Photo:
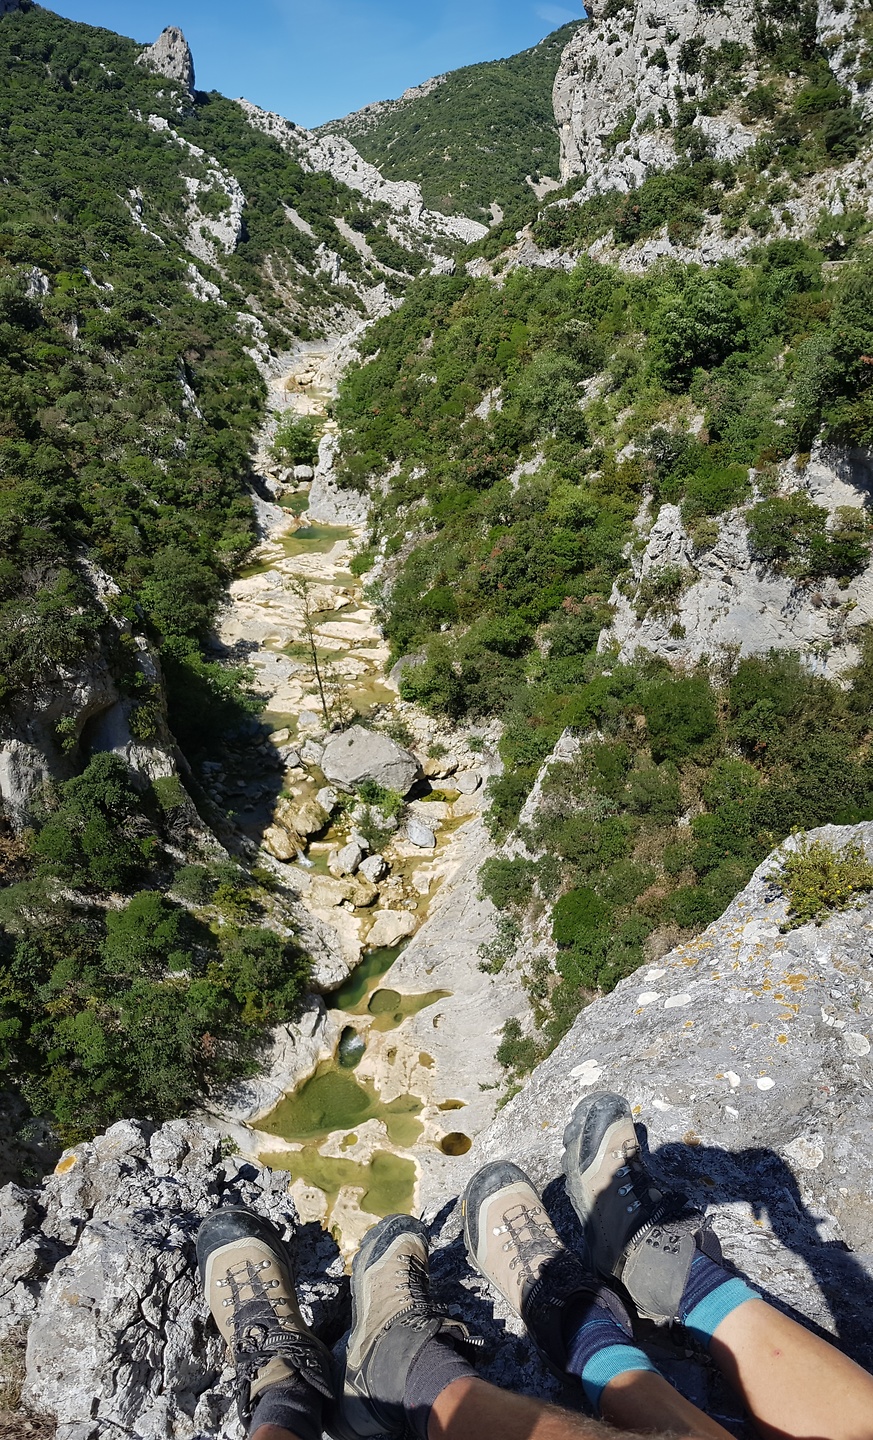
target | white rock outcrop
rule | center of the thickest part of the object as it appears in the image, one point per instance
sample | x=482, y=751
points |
x=732, y=603
x=336, y=156
x=170, y=56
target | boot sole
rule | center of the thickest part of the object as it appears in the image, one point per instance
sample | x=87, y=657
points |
x=592, y=1118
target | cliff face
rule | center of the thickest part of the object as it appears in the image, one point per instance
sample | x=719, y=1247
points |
x=622, y=80
x=728, y=601
x=745, y=1054
x=171, y=56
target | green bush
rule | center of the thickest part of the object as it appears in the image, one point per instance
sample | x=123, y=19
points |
x=680, y=716
x=296, y=440
x=818, y=879
x=98, y=835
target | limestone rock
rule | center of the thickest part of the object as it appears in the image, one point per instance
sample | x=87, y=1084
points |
x=417, y=833
x=120, y=1341
x=171, y=56
x=280, y=843
x=468, y=782
x=390, y=927
x=326, y=797
x=294, y=1053
x=311, y=752
x=346, y=860
x=300, y=817
x=358, y=755
x=328, y=503
x=374, y=868
x=732, y=602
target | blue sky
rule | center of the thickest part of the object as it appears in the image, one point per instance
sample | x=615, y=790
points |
x=314, y=60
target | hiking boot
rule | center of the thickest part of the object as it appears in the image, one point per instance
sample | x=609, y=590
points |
x=393, y=1318
x=512, y=1242
x=246, y=1275
x=637, y=1232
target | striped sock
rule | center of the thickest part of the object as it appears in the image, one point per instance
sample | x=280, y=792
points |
x=710, y=1295
x=599, y=1348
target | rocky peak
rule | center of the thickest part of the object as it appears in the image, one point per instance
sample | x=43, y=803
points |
x=170, y=56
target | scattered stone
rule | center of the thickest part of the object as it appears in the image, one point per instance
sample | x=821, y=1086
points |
x=390, y=927
x=468, y=782
x=346, y=860
x=327, y=799
x=433, y=769
x=358, y=755
x=374, y=868
x=300, y=817
x=279, y=843
x=308, y=720
x=361, y=841
x=303, y=472
x=311, y=753
x=280, y=737
x=417, y=833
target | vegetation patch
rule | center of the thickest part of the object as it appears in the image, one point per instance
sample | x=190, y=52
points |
x=818, y=879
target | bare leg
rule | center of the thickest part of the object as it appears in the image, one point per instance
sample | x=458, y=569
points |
x=796, y=1386
x=273, y=1432
x=469, y=1409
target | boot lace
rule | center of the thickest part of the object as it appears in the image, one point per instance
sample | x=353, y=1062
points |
x=529, y=1238
x=260, y=1333
x=413, y=1283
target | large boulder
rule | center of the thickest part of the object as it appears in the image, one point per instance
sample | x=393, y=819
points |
x=358, y=755
x=390, y=927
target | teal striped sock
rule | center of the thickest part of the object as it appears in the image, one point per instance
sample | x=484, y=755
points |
x=711, y=1294
x=599, y=1349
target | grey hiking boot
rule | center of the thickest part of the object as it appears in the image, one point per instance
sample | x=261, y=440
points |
x=637, y=1233
x=393, y=1318
x=246, y=1274
x=512, y=1242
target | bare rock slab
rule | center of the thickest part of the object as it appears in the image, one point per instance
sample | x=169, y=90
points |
x=358, y=755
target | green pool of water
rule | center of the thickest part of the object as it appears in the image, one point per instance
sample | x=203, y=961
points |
x=388, y=1181
x=296, y=504
x=308, y=540
x=352, y=996
x=389, y=1008
x=333, y=1099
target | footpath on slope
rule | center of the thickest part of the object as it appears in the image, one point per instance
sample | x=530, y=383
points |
x=397, y=1061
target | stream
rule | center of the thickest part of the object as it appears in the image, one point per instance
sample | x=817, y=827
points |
x=350, y=1132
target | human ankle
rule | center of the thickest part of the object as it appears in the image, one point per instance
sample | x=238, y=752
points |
x=711, y=1294
x=436, y=1369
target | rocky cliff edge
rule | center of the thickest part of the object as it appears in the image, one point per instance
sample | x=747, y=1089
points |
x=745, y=1055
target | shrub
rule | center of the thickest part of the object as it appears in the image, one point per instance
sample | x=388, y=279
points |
x=98, y=836
x=680, y=715
x=296, y=440
x=818, y=879
x=508, y=884
x=576, y=913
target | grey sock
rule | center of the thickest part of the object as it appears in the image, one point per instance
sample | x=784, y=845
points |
x=294, y=1406
x=435, y=1366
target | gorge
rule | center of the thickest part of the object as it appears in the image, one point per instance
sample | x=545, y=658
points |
x=435, y=599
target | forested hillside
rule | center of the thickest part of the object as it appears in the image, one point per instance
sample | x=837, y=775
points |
x=472, y=139
x=523, y=427
x=147, y=263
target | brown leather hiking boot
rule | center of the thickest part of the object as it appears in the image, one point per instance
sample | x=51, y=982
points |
x=512, y=1242
x=246, y=1275
x=393, y=1318
x=636, y=1232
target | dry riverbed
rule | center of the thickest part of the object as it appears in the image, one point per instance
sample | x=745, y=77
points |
x=367, y=1087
